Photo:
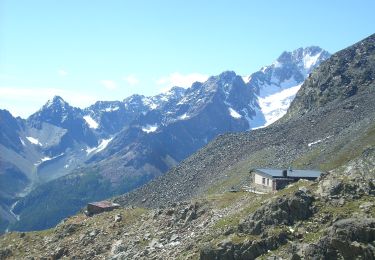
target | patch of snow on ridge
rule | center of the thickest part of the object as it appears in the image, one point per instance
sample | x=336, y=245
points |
x=47, y=158
x=111, y=109
x=91, y=122
x=276, y=105
x=316, y=142
x=103, y=144
x=276, y=86
x=33, y=140
x=149, y=128
x=277, y=64
x=246, y=79
x=22, y=142
x=183, y=117
x=309, y=61
x=148, y=102
x=233, y=113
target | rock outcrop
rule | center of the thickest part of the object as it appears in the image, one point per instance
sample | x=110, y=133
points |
x=348, y=239
x=282, y=211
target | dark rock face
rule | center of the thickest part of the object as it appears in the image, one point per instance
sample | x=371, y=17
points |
x=347, y=238
x=283, y=211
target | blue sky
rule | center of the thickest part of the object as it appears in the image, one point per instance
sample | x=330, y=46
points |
x=88, y=50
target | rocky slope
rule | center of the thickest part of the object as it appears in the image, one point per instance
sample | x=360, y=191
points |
x=331, y=218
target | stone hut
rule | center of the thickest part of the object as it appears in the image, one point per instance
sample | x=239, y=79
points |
x=100, y=206
x=276, y=179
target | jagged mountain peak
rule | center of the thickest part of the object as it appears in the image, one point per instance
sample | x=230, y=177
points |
x=56, y=111
x=57, y=101
x=307, y=57
x=289, y=69
x=224, y=82
x=133, y=98
x=227, y=75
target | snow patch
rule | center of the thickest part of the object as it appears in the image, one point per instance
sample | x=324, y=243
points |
x=103, y=144
x=148, y=102
x=183, y=117
x=316, y=142
x=277, y=64
x=233, y=113
x=246, y=79
x=153, y=106
x=275, y=86
x=255, y=122
x=91, y=122
x=111, y=109
x=309, y=61
x=33, y=140
x=22, y=142
x=149, y=128
x=47, y=158
x=11, y=211
x=276, y=105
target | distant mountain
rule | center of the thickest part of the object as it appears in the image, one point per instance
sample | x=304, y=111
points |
x=110, y=117
x=276, y=85
x=168, y=134
x=121, y=145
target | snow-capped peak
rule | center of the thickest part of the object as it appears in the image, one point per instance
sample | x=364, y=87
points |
x=277, y=84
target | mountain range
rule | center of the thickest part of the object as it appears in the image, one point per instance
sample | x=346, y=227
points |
x=198, y=209
x=72, y=155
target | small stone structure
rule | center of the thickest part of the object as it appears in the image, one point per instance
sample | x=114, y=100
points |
x=276, y=179
x=100, y=206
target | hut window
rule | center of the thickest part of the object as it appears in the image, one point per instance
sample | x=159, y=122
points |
x=263, y=180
